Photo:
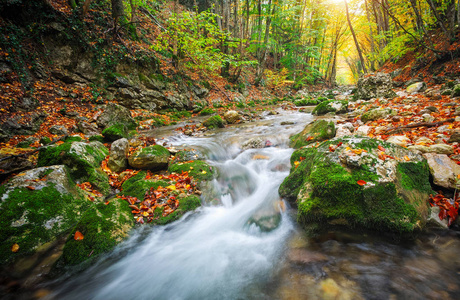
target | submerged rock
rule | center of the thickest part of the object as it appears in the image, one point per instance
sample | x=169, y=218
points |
x=351, y=182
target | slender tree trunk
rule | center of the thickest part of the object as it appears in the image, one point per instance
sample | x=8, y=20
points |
x=419, y=20
x=438, y=18
x=358, y=48
x=371, y=36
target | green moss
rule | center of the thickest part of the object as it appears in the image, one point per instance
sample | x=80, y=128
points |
x=306, y=102
x=207, y=111
x=140, y=187
x=317, y=131
x=186, y=204
x=115, y=132
x=326, y=107
x=413, y=176
x=197, y=169
x=35, y=209
x=214, y=122
x=187, y=155
x=103, y=227
x=71, y=139
x=96, y=138
x=45, y=140
x=23, y=144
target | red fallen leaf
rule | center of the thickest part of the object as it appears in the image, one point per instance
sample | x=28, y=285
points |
x=309, y=138
x=381, y=148
x=32, y=188
x=361, y=182
x=339, y=144
x=107, y=202
x=78, y=236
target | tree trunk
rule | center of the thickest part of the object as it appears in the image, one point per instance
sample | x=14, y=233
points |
x=419, y=20
x=85, y=8
x=438, y=18
x=361, y=58
x=371, y=36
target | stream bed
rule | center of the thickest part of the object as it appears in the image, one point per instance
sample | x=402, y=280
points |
x=245, y=244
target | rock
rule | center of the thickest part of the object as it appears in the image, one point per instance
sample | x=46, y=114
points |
x=423, y=141
x=67, y=77
x=253, y=143
x=188, y=155
x=197, y=169
x=434, y=220
x=449, y=104
x=115, y=132
x=14, y=126
x=116, y=114
x=331, y=106
x=214, y=122
x=88, y=129
x=26, y=104
x=316, y=131
x=83, y=159
x=150, y=158
x=427, y=118
x=444, y=170
x=152, y=84
x=327, y=188
x=376, y=114
x=232, y=117
x=58, y=130
x=400, y=140
x=455, y=91
x=265, y=220
x=441, y=149
x=342, y=131
x=199, y=91
x=14, y=163
x=363, y=130
x=432, y=108
x=121, y=82
x=455, y=137
x=118, y=159
x=376, y=86
x=447, y=92
x=416, y=87
x=36, y=207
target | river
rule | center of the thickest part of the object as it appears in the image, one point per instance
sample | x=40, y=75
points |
x=220, y=252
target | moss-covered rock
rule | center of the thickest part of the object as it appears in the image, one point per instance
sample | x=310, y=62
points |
x=376, y=114
x=391, y=194
x=37, y=207
x=214, y=122
x=150, y=158
x=375, y=86
x=115, y=132
x=116, y=114
x=318, y=131
x=187, y=155
x=103, y=226
x=331, y=106
x=456, y=91
x=83, y=160
x=186, y=204
x=306, y=102
x=197, y=169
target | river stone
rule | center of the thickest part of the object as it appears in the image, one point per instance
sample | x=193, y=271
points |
x=36, y=207
x=150, y=158
x=116, y=114
x=443, y=169
x=416, y=87
x=376, y=114
x=400, y=140
x=83, y=159
x=423, y=141
x=363, y=130
x=455, y=91
x=342, y=131
x=434, y=220
x=375, y=86
x=253, y=143
x=455, y=137
x=14, y=163
x=427, y=118
x=331, y=106
x=118, y=155
x=58, y=130
x=316, y=131
x=441, y=149
x=327, y=188
x=88, y=129
x=232, y=117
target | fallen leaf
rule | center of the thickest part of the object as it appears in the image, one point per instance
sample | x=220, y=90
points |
x=381, y=148
x=406, y=158
x=78, y=236
x=32, y=188
x=15, y=248
x=361, y=182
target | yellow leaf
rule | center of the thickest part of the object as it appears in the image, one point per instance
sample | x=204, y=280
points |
x=171, y=187
x=406, y=158
x=15, y=248
x=204, y=172
x=347, y=149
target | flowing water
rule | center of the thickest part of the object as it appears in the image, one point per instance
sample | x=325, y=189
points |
x=220, y=252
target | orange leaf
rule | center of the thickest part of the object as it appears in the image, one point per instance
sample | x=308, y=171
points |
x=78, y=236
x=15, y=248
x=381, y=148
x=30, y=187
x=361, y=182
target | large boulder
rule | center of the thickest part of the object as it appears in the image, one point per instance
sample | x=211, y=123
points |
x=375, y=86
x=353, y=182
x=36, y=207
x=331, y=106
x=118, y=160
x=150, y=158
x=83, y=159
x=376, y=114
x=416, y=87
x=317, y=131
x=116, y=114
x=232, y=117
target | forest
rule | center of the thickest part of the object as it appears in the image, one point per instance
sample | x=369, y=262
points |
x=229, y=149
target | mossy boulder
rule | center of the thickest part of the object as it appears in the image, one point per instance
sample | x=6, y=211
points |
x=375, y=86
x=456, y=91
x=197, y=169
x=377, y=113
x=214, y=122
x=137, y=185
x=331, y=106
x=188, y=155
x=359, y=186
x=306, y=102
x=115, y=132
x=150, y=158
x=116, y=114
x=83, y=159
x=103, y=225
x=317, y=131
x=37, y=207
